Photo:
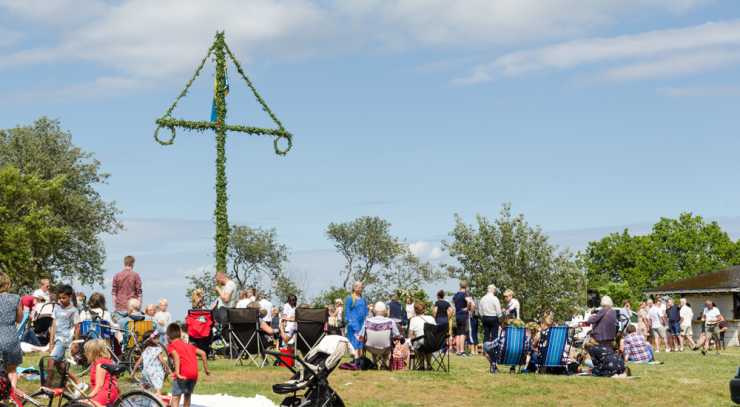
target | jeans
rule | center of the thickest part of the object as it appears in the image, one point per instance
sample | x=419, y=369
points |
x=490, y=328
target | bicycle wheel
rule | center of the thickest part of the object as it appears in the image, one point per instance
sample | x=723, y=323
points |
x=138, y=398
x=43, y=398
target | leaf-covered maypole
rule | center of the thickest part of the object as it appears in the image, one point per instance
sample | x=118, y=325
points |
x=220, y=51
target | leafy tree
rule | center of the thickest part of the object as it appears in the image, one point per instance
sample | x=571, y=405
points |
x=674, y=249
x=256, y=258
x=366, y=244
x=45, y=151
x=405, y=275
x=328, y=296
x=510, y=254
x=30, y=229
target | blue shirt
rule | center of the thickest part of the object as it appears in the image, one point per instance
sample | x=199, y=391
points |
x=65, y=320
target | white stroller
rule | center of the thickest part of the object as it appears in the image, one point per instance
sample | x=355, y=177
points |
x=312, y=378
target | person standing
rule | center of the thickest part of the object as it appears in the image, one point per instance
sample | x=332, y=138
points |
x=460, y=301
x=657, y=325
x=687, y=315
x=396, y=310
x=355, y=312
x=226, y=291
x=490, y=310
x=643, y=322
x=11, y=313
x=673, y=313
x=126, y=285
x=711, y=317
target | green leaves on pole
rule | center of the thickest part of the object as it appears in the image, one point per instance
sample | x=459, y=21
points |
x=220, y=50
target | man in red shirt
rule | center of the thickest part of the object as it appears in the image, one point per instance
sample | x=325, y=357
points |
x=185, y=373
x=126, y=285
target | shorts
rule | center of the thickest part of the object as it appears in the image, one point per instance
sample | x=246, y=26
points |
x=675, y=328
x=686, y=330
x=461, y=327
x=59, y=350
x=659, y=331
x=180, y=387
x=713, y=329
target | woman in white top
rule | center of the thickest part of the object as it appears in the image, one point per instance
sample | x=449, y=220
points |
x=287, y=316
x=246, y=297
x=416, y=328
x=513, y=309
x=410, y=313
x=96, y=309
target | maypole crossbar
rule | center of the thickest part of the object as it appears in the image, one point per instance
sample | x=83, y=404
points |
x=220, y=51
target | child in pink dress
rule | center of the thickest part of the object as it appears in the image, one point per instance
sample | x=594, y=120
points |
x=400, y=357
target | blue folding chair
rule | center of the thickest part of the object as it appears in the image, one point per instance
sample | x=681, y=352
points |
x=551, y=348
x=515, y=348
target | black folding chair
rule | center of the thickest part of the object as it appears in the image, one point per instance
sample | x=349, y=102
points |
x=311, y=324
x=244, y=335
x=435, y=338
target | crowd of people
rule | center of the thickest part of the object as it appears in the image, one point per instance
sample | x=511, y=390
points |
x=474, y=326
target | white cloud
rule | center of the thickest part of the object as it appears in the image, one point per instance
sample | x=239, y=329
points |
x=649, y=54
x=426, y=250
x=700, y=91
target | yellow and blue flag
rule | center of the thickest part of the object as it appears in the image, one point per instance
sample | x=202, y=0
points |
x=214, y=113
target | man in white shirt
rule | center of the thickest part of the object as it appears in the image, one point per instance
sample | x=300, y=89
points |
x=657, y=324
x=687, y=315
x=490, y=311
x=711, y=317
x=226, y=290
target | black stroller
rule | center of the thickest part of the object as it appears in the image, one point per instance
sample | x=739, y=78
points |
x=312, y=378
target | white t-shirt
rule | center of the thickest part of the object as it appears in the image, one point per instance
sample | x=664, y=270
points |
x=655, y=314
x=244, y=303
x=711, y=315
x=88, y=315
x=266, y=305
x=230, y=289
x=163, y=318
x=687, y=314
x=416, y=325
x=410, y=313
x=490, y=306
x=39, y=293
x=288, y=311
x=514, y=305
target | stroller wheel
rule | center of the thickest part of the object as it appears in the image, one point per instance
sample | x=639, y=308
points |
x=291, y=401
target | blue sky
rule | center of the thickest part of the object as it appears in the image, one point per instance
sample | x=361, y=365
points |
x=582, y=114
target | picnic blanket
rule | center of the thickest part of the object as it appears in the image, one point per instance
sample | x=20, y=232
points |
x=223, y=400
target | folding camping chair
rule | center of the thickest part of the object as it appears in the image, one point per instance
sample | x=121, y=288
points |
x=200, y=328
x=433, y=345
x=552, y=346
x=514, y=352
x=135, y=332
x=244, y=335
x=310, y=327
x=379, y=342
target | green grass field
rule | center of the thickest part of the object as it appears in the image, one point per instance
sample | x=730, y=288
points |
x=685, y=379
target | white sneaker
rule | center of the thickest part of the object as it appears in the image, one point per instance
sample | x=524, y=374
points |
x=667, y=350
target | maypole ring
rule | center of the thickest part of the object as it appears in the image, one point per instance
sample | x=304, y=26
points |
x=283, y=151
x=165, y=142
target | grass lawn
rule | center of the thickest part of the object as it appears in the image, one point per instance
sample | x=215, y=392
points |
x=686, y=379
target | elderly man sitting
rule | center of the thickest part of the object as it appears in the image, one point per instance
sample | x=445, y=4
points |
x=133, y=314
x=378, y=334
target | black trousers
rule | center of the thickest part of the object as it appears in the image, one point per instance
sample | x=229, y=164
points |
x=490, y=328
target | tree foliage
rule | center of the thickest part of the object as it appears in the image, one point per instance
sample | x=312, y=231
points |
x=405, y=275
x=366, y=244
x=674, y=249
x=47, y=160
x=328, y=296
x=512, y=255
x=206, y=281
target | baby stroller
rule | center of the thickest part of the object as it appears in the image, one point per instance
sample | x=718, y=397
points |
x=312, y=378
x=200, y=329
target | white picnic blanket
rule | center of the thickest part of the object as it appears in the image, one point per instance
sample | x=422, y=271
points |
x=223, y=400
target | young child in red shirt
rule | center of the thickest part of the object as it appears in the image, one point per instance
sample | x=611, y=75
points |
x=185, y=373
x=104, y=385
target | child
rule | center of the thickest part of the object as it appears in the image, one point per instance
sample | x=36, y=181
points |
x=400, y=357
x=66, y=317
x=154, y=362
x=275, y=325
x=104, y=385
x=185, y=374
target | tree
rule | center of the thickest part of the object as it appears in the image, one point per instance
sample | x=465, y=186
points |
x=206, y=281
x=328, y=296
x=405, y=275
x=45, y=151
x=510, y=254
x=366, y=244
x=674, y=249
x=30, y=229
x=256, y=257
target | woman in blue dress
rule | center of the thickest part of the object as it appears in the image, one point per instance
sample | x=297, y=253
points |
x=355, y=311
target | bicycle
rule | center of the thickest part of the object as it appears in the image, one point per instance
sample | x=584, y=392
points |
x=54, y=386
